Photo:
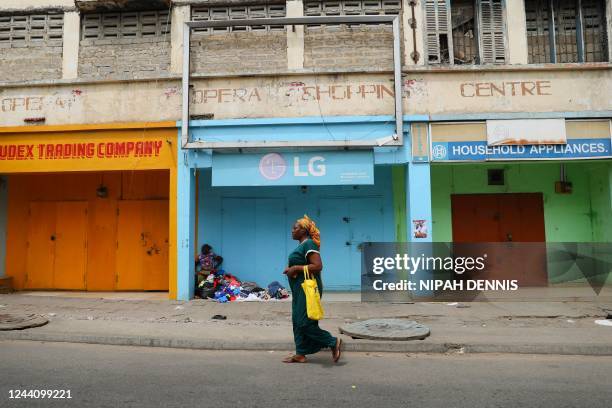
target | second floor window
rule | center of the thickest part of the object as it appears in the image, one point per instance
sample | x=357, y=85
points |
x=40, y=30
x=238, y=13
x=465, y=32
x=125, y=25
x=566, y=31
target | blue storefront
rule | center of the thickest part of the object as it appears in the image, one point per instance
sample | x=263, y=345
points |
x=243, y=202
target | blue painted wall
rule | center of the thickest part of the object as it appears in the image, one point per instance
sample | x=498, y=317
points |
x=251, y=226
x=257, y=220
x=185, y=221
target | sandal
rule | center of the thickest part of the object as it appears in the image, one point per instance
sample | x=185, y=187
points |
x=294, y=359
x=337, y=350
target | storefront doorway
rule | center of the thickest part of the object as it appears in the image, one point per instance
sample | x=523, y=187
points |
x=57, y=245
x=254, y=237
x=348, y=223
x=63, y=235
x=511, y=217
x=91, y=207
x=251, y=226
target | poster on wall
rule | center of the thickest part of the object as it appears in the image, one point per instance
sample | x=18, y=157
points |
x=419, y=229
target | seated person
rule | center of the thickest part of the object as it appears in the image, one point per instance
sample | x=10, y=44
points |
x=206, y=263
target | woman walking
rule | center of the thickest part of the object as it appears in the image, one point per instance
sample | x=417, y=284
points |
x=308, y=336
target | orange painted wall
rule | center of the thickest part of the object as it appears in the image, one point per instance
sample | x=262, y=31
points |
x=102, y=226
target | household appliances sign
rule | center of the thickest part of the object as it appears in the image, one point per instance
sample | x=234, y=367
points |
x=298, y=168
x=480, y=151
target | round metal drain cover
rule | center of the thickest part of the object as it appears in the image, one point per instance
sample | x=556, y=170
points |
x=20, y=322
x=386, y=329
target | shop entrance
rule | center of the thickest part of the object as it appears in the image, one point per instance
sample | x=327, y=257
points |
x=253, y=238
x=95, y=231
x=142, y=245
x=250, y=226
x=348, y=223
x=515, y=217
x=57, y=245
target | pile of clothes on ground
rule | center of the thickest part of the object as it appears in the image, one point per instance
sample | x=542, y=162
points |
x=212, y=282
x=224, y=287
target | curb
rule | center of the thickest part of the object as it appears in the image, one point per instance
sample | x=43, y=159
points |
x=349, y=345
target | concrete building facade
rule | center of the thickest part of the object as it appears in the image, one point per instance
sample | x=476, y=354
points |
x=469, y=67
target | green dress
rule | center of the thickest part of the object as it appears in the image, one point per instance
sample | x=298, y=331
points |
x=308, y=336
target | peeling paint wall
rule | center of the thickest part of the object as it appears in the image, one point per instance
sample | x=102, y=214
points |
x=310, y=95
x=513, y=91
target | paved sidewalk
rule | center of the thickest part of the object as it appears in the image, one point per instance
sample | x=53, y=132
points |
x=501, y=327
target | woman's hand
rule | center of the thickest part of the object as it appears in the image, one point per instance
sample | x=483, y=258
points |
x=291, y=271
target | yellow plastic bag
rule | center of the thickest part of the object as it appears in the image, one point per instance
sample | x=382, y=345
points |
x=314, y=309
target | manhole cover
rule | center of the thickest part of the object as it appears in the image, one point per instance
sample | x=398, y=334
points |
x=386, y=329
x=20, y=322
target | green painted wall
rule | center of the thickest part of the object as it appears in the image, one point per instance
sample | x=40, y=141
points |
x=398, y=177
x=583, y=216
x=601, y=199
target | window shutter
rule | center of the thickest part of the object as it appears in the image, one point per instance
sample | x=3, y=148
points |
x=437, y=34
x=492, y=42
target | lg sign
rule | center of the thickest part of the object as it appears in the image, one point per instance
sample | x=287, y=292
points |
x=273, y=166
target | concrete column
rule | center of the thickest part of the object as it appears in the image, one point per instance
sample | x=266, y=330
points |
x=180, y=14
x=517, y=32
x=418, y=188
x=418, y=207
x=609, y=20
x=70, y=51
x=185, y=226
x=295, y=39
x=408, y=35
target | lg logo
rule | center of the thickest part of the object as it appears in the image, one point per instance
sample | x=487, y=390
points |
x=273, y=166
x=315, y=167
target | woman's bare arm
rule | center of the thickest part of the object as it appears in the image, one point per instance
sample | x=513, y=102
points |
x=315, y=265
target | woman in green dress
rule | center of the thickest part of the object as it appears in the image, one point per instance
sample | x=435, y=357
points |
x=308, y=336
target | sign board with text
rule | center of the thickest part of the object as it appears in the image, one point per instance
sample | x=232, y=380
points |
x=293, y=169
x=479, y=151
x=87, y=150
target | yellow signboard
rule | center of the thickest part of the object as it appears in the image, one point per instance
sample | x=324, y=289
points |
x=152, y=147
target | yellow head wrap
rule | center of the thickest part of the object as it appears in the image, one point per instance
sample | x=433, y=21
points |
x=310, y=226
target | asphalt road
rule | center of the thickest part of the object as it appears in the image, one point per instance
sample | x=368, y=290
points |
x=114, y=376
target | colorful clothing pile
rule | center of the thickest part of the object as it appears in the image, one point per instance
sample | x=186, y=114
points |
x=224, y=287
